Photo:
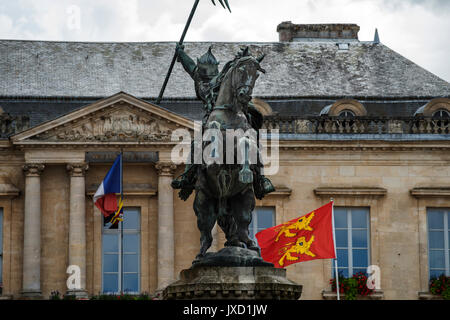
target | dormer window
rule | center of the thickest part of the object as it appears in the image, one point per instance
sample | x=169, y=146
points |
x=346, y=114
x=441, y=114
x=437, y=109
x=345, y=108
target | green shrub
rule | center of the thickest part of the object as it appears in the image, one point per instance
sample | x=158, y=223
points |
x=440, y=286
x=352, y=287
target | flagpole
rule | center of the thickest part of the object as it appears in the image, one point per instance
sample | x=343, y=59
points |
x=121, y=229
x=335, y=252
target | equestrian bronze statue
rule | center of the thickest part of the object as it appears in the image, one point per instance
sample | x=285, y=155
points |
x=225, y=192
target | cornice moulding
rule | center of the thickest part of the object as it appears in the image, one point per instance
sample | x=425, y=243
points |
x=332, y=191
x=430, y=192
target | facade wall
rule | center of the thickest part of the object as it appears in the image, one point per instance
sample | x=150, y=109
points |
x=55, y=198
x=398, y=243
x=395, y=219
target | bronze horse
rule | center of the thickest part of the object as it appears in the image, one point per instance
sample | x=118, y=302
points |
x=224, y=192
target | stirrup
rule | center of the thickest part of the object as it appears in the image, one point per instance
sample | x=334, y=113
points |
x=267, y=185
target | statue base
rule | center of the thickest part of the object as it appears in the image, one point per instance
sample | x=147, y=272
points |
x=232, y=257
x=233, y=283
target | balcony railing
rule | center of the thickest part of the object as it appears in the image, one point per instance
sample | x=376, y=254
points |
x=335, y=125
x=298, y=125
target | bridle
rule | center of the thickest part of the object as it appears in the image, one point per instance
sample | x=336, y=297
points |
x=234, y=89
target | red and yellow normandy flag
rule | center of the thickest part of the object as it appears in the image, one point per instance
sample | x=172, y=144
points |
x=306, y=238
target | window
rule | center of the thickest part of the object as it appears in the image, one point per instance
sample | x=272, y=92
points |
x=1, y=247
x=438, y=242
x=352, y=240
x=346, y=114
x=128, y=268
x=262, y=218
x=441, y=114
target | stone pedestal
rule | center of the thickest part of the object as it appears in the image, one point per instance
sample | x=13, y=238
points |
x=233, y=283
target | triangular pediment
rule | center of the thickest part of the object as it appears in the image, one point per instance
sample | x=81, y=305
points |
x=120, y=118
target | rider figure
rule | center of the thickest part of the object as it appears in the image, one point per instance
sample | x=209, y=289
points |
x=207, y=81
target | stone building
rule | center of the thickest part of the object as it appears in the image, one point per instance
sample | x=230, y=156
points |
x=358, y=123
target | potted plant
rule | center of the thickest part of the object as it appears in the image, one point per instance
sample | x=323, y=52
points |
x=440, y=286
x=352, y=287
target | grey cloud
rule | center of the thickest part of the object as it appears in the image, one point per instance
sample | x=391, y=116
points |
x=438, y=6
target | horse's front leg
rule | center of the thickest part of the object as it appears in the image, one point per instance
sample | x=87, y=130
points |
x=242, y=207
x=205, y=210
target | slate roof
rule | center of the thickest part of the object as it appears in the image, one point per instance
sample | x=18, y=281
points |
x=294, y=69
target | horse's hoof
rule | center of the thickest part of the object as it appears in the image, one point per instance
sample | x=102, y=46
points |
x=234, y=243
x=255, y=248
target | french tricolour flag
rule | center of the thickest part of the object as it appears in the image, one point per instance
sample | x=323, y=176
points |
x=105, y=198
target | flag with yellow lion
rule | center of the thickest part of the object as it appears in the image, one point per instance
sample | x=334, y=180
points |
x=302, y=239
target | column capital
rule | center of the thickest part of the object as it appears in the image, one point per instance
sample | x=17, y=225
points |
x=77, y=169
x=165, y=168
x=33, y=169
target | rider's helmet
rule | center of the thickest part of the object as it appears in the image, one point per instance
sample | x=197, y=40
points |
x=208, y=66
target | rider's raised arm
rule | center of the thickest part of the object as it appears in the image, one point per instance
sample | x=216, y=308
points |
x=188, y=64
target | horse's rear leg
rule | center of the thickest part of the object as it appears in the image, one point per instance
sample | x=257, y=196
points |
x=242, y=207
x=229, y=227
x=206, y=218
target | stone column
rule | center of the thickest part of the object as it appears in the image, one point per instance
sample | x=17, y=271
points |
x=77, y=227
x=31, y=285
x=166, y=239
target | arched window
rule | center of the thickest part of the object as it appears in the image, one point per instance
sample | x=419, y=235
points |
x=441, y=114
x=437, y=108
x=346, y=114
x=346, y=108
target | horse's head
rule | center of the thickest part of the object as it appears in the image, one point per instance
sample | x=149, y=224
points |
x=239, y=81
x=243, y=77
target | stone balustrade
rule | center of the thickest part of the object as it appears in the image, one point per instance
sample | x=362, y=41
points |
x=310, y=125
x=366, y=125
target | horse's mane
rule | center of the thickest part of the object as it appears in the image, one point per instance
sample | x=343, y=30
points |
x=230, y=66
x=228, y=69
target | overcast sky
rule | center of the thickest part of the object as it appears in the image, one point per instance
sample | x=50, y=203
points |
x=417, y=29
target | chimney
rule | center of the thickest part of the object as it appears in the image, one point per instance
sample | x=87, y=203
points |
x=289, y=32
